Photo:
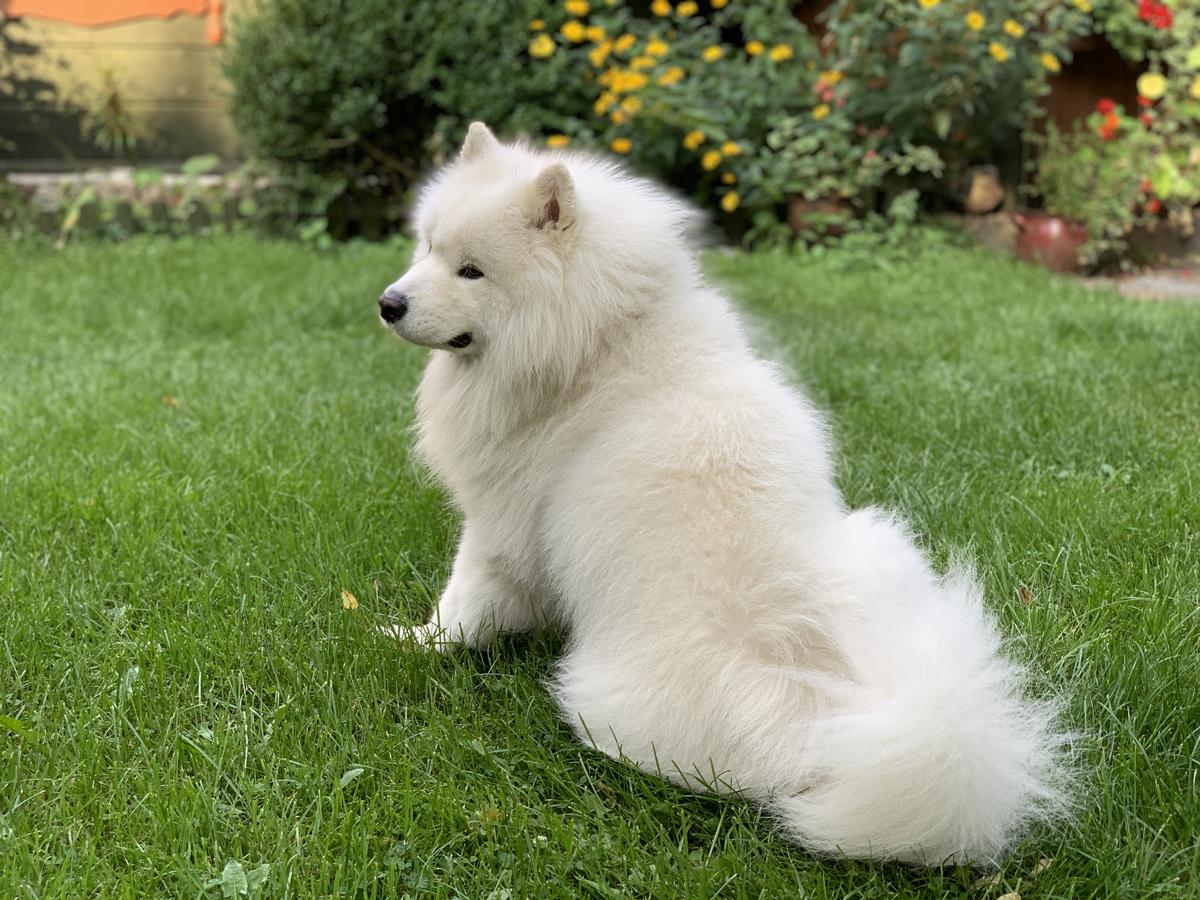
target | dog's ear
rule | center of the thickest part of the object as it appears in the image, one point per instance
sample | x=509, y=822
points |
x=480, y=142
x=554, y=198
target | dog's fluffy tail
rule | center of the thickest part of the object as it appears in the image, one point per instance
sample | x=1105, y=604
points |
x=934, y=754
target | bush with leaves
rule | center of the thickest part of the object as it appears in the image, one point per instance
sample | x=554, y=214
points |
x=354, y=96
x=1096, y=176
x=957, y=75
x=741, y=103
x=692, y=95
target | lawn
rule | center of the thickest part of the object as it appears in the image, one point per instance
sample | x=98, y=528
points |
x=203, y=443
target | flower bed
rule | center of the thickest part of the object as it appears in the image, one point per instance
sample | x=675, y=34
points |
x=1123, y=170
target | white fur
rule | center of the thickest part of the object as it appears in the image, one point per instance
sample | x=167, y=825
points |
x=630, y=471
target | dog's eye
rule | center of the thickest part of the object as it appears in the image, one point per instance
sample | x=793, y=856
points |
x=469, y=271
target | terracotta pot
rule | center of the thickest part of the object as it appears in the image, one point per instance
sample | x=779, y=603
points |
x=1050, y=241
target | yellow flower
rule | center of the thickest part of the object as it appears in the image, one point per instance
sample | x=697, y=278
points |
x=537, y=24
x=573, y=31
x=821, y=111
x=780, y=52
x=710, y=160
x=713, y=53
x=594, y=33
x=731, y=148
x=728, y=178
x=999, y=51
x=929, y=4
x=619, y=82
x=624, y=42
x=672, y=76
x=719, y=4
x=557, y=140
x=1152, y=85
x=754, y=48
x=619, y=117
x=660, y=8
x=641, y=62
x=1050, y=62
x=693, y=139
x=598, y=54
x=975, y=20
x=577, y=7
x=621, y=145
x=603, y=102
x=542, y=46
x=1013, y=28
x=632, y=105
x=1083, y=5
x=1195, y=91
x=687, y=9
x=655, y=47
x=730, y=201
x=831, y=77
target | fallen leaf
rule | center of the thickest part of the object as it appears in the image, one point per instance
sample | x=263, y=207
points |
x=1012, y=895
x=1043, y=864
x=170, y=402
x=987, y=881
x=349, y=601
x=1025, y=595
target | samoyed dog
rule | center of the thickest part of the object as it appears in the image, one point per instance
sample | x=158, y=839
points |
x=630, y=471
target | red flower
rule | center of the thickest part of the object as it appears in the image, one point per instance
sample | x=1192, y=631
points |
x=1155, y=13
x=1147, y=187
x=1106, y=105
x=1144, y=101
x=1154, y=207
x=1109, y=129
x=1146, y=119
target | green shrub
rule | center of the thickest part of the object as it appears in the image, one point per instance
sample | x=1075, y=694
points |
x=362, y=96
x=960, y=77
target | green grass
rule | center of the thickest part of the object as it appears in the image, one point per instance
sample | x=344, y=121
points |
x=183, y=688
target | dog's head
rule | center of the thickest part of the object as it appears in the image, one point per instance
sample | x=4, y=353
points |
x=525, y=257
x=492, y=235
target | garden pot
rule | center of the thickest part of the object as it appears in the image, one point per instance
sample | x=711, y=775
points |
x=1050, y=241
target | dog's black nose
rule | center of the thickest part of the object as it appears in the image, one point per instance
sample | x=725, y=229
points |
x=392, y=307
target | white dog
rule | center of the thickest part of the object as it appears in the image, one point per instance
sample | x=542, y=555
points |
x=630, y=471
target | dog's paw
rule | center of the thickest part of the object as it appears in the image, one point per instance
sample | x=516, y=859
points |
x=423, y=636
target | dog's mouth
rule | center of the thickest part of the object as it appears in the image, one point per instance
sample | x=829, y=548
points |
x=463, y=340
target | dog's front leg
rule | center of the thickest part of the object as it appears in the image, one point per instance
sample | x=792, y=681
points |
x=480, y=600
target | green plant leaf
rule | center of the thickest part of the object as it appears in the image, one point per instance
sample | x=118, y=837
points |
x=941, y=123
x=257, y=877
x=234, y=882
x=19, y=728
